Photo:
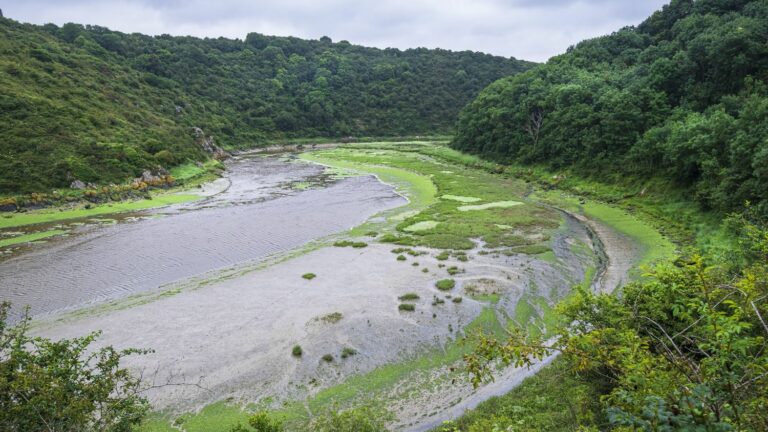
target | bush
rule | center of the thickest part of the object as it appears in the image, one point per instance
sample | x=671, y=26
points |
x=327, y=358
x=401, y=257
x=309, y=276
x=361, y=419
x=457, y=299
x=263, y=423
x=297, y=351
x=445, y=284
x=408, y=297
x=408, y=307
x=64, y=385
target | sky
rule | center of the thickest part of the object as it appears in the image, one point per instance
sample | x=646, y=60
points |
x=526, y=29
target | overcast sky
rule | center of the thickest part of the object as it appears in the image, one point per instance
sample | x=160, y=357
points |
x=526, y=29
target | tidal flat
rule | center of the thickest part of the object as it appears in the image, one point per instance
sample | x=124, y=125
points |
x=224, y=346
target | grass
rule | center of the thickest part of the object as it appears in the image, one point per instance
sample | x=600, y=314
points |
x=348, y=352
x=408, y=307
x=401, y=258
x=309, y=276
x=55, y=215
x=297, y=351
x=445, y=284
x=409, y=297
x=26, y=238
x=328, y=358
x=350, y=243
x=462, y=199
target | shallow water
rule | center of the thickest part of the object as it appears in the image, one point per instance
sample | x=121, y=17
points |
x=256, y=216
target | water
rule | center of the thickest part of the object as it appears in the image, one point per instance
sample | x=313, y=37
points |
x=256, y=216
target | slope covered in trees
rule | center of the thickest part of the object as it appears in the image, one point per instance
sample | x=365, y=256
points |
x=682, y=96
x=96, y=105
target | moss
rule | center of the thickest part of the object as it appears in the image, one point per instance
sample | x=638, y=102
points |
x=445, y=284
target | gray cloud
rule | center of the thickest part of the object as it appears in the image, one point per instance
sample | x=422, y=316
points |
x=527, y=29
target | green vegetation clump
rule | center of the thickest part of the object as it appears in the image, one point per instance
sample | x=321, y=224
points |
x=409, y=307
x=348, y=352
x=401, y=258
x=67, y=383
x=328, y=358
x=453, y=270
x=444, y=255
x=457, y=300
x=309, y=276
x=349, y=243
x=445, y=284
x=297, y=351
x=409, y=297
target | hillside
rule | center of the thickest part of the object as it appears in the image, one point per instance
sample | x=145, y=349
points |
x=681, y=97
x=87, y=103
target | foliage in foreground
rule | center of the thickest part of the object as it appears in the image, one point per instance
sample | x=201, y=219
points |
x=360, y=419
x=64, y=385
x=683, y=349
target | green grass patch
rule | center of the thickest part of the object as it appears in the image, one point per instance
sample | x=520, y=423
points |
x=349, y=243
x=54, y=215
x=408, y=307
x=309, y=276
x=445, y=284
x=26, y=238
x=409, y=297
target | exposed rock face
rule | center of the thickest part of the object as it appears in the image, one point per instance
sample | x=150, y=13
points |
x=208, y=144
x=77, y=184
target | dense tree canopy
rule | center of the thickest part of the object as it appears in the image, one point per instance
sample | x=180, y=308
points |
x=682, y=96
x=89, y=103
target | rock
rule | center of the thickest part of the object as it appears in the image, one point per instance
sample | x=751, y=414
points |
x=77, y=184
x=208, y=144
x=179, y=109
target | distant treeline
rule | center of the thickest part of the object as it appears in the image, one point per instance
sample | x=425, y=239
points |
x=88, y=103
x=682, y=96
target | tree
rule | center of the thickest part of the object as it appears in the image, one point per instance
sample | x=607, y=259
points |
x=65, y=385
x=684, y=349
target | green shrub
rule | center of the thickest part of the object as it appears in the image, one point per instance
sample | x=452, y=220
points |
x=327, y=358
x=444, y=255
x=401, y=257
x=407, y=307
x=457, y=299
x=263, y=423
x=309, y=276
x=297, y=351
x=445, y=284
x=347, y=352
x=408, y=297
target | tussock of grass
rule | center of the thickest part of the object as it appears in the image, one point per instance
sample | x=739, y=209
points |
x=445, y=284
x=328, y=358
x=409, y=297
x=349, y=243
x=348, y=352
x=309, y=276
x=297, y=351
x=408, y=307
x=332, y=318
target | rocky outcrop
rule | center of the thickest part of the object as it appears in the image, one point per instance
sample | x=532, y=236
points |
x=208, y=144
